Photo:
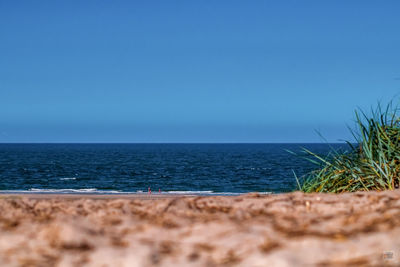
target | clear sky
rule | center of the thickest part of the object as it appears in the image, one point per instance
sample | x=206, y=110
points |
x=193, y=71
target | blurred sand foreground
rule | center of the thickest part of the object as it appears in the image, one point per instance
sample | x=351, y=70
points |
x=359, y=229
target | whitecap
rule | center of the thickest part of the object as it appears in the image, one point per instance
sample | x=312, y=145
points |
x=68, y=178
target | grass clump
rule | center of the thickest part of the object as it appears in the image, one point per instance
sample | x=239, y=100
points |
x=371, y=163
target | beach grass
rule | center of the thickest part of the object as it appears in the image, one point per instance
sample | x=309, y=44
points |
x=372, y=161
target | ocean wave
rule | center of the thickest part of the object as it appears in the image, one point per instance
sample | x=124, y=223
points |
x=68, y=178
x=139, y=192
x=67, y=190
x=62, y=191
x=189, y=192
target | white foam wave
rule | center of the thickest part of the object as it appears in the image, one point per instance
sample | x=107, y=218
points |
x=139, y=192
x=189, y=192
x=88, y=190
x=68, y=178
x=62, y=191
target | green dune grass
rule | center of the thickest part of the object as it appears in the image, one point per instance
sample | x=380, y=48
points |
x=371, y=163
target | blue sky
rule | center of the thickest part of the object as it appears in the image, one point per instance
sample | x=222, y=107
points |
x=193, y=71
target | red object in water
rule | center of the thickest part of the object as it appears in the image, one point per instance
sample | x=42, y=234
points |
x=159, y=191
x=149, y=190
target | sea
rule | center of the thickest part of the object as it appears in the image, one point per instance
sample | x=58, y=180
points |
x=202, y=169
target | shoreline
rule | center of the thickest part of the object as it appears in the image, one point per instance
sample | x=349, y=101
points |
x=128, y=195
x=76, y=196
x=178, y=230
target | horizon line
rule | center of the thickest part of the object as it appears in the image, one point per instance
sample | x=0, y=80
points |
x=173, y=142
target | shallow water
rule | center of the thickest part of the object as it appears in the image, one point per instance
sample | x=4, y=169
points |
x=170, y=168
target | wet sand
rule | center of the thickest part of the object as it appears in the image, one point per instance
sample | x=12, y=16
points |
x=141, y=196
x=359, y=229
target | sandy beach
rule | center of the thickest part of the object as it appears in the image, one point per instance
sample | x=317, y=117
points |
x=296, y=229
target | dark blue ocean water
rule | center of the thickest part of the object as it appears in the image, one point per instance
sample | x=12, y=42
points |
x=113, y=168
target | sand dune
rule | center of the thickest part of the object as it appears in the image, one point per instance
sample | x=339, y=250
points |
x=251, y=230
